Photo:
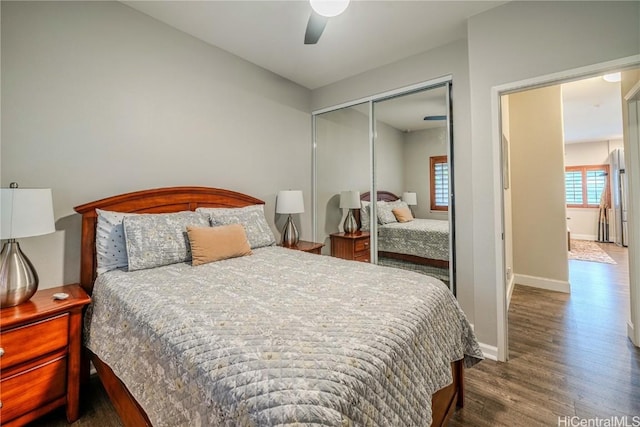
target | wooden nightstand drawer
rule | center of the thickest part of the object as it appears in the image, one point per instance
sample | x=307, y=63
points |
x=362, y=257
x=33, y=388
x=40, y=339
x=352, y=246
x=33, y=340
x=362, y=245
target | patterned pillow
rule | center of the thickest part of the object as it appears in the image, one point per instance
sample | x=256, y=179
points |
x=251, y=217
x=159, y=239
x=385, y=214
x=365, y=215
x=111, y=250
x=385, y=211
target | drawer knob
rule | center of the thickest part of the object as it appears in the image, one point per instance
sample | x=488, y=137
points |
x=1, y=353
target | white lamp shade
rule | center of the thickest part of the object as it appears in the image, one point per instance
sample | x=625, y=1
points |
x=26, y=212
x=349, y=199
x=410, y=198
x=329, y=8
x=289, y=202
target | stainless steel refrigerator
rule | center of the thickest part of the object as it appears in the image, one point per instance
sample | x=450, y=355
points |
x=619, y=187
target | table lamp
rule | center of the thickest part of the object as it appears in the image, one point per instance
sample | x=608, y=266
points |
x=350, y=200
x=410, y=198
x=289, y=202
x=24, y=213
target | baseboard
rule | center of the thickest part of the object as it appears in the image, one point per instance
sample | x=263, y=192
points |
x=543, y=283
x=510, y=287
x=591, y=237
x=489, y=351
x=631, y=333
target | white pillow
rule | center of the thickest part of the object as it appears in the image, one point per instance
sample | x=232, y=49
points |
x=111, y=249
x=365, y=215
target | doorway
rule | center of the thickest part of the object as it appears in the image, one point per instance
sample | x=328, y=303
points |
x=506, y=287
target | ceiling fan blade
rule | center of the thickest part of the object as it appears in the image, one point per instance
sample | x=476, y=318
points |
x=315, y=27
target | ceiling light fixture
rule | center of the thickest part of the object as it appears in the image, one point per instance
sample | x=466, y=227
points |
x=612, y=78
x=329, y=8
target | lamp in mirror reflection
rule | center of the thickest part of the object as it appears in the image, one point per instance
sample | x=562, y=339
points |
x=23, y=213
x=350, y=200
x=410, y=198
x=290, y=202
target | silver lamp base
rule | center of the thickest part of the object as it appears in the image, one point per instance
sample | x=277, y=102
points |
x=290, y=233
x=18, y=278
x=350, y=224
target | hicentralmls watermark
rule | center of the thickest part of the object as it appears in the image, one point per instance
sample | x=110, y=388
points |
x=616, y=421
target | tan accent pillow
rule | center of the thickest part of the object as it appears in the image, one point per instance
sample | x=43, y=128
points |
x=403, y=214
x=209, y=244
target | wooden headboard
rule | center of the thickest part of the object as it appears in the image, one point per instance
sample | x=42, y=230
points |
x=383, y=196
x=159, y=200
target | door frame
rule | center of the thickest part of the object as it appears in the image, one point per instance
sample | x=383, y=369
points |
x=632, y=151
x=499, y=243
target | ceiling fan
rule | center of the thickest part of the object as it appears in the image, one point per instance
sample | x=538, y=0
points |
x=321, y=11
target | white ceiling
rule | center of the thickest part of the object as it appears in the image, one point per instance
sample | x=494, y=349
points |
x=592, y=110
x=368, y=35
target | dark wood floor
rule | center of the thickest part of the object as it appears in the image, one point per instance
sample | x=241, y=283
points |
x=569, y=356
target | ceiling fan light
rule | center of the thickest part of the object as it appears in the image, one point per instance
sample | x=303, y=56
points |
x=329, y=8
x=435, y=117
x=612, y=78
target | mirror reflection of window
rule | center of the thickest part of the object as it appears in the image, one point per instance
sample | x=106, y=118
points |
x=439, y=183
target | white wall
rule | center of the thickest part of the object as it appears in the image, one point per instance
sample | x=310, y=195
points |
x=508, y=44
x=537, y=188
x=418, y=148
x=390, y=165
x=99, y=99
x=584, y=221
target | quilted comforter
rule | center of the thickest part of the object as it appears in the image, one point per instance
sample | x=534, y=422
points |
x=279, y=337
x=427, y=238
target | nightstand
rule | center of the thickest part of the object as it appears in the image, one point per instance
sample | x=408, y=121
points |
x=40, y=355
x=353, y=246
x=311, y=247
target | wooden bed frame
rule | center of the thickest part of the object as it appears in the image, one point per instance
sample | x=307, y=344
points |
x=387, y=196
x=175, y=199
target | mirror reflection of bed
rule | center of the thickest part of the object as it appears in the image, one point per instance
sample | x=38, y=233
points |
x=410, y=243
x=400, y=143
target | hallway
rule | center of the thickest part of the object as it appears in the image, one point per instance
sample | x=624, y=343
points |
x=569, y=354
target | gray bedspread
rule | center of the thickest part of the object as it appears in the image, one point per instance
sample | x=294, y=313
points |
x=279, y=337
x=427, y=238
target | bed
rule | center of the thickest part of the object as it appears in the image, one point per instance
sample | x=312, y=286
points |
x=421, y=241
x=276, y=337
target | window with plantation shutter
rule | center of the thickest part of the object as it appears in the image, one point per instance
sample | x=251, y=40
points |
x=584, y=185
x=439, y=183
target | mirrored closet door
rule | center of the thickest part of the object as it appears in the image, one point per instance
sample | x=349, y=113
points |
x=399, y=148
